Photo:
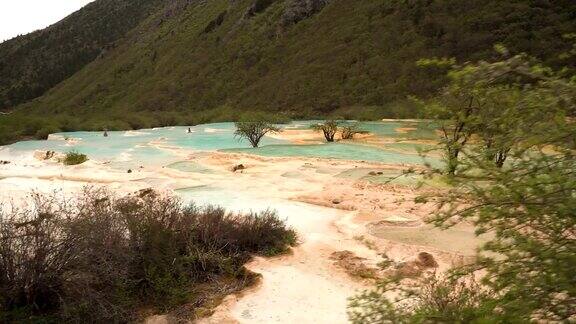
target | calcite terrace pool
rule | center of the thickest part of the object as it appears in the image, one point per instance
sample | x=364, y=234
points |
x=337, y=196
x=161, y=146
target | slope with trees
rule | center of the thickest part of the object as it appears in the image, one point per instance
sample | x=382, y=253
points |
x=33, y=63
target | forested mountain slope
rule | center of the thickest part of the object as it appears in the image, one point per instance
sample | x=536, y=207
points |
x=194, y=60
x=33, y=63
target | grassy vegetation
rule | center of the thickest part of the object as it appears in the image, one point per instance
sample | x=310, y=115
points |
x=117, y=259
x=352, y=59
x=74, y=158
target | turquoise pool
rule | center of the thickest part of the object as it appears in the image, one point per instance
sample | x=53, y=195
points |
x=336, y=151
x=160, y=146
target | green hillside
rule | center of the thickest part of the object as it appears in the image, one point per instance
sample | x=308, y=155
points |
x=33, y=63
x=196, y=61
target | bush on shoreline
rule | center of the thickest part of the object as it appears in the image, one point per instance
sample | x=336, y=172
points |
x=74, y=158
x=107, y=258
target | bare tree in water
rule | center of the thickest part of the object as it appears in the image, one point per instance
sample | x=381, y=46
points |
x=254, y=131
x=328, y=128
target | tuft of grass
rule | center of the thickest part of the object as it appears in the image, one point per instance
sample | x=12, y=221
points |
x=74, y=158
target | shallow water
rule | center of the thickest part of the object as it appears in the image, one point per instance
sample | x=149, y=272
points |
x=147, y=146
x=168, y=146
x=381, y=176
x=336, y=151
x=459, y=239
x=189, y=166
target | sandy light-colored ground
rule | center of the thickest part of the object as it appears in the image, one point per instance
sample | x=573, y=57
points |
x=309, y=136
x=331, y=213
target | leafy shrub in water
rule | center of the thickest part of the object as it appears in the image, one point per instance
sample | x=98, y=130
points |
x=328, y=128
x=103, y=257
x=74, y=158
x=350, y=130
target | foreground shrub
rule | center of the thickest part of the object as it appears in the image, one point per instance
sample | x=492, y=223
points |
x=101, y=257
x=430, y=299
x=74, y=158
x=262, y=233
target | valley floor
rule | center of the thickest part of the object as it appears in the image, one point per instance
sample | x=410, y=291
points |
x=348, y=214
x=331, y=212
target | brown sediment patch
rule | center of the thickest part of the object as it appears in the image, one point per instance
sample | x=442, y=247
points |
x=309, y=136
x=404, y=130
x=414, y=268
x=399, y=221
x=426, y=260
x=299, y=136
x=358, y=268
x=325, y=203
x=353, y=265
